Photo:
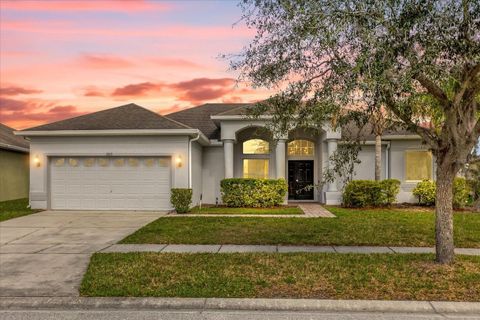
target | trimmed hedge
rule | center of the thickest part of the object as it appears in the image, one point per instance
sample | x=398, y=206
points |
x=425, y=191
x=370, y=193
x=257, y=193
x=181, y=199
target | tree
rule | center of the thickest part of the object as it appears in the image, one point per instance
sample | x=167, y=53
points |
x=327, y=57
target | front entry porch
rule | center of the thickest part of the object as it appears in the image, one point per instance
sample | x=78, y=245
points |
x=251, y=151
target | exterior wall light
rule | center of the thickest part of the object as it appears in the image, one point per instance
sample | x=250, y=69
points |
x=36, y=161
x=178, y=161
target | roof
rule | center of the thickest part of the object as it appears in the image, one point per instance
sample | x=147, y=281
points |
x=353, y=131
x=129, y=116
x=11, y=142
x=199, y=117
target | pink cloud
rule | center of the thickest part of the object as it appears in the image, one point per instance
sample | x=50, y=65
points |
x=103, y=61
x=139, y=89
x=27, y=113
x=82, y=5
x=201, y=89
x=16, y=90
x=176, y=63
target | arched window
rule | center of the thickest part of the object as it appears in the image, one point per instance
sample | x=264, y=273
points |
x=300, y=148
x=256, y=146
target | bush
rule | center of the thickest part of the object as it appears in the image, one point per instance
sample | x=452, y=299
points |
x=181, y=199
x=461, y=192
x=365, y=193
x=237, y=192
x=425, y=191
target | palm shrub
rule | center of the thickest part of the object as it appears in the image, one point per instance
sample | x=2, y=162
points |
x=181, y=199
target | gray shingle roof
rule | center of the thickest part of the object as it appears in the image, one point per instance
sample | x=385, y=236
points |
x=10, y=141
x=199, y=117
x=352, y=131
x=129, y=116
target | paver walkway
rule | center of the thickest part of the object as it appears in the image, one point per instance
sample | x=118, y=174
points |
x=229, y=248
x=311, y=210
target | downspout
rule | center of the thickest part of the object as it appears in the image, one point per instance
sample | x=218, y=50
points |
x=387, y=161
x=190, y=159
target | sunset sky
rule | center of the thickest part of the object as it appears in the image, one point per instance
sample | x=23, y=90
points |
x=60, y=59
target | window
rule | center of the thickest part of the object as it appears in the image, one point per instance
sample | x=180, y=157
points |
x=73, y=162
x=256, y=146
x=119, y=162
x=89, y=162
x=133, y=162
x=59, y=162
x=255, y=168
x=418, y=165
x=300, y=148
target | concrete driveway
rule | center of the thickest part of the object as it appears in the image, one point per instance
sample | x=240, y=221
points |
x=47, y=253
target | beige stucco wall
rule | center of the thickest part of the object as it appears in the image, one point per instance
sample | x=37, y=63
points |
x=14, y=173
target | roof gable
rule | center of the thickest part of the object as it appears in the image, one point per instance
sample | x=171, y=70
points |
x=199, y=117
x=129, y=116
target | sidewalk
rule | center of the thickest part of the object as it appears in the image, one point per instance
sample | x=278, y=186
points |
x=228, y=248
x=284, y=305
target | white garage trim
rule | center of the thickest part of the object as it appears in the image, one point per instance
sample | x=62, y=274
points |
x=100, y=182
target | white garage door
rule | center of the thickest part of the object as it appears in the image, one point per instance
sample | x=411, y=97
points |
x=110, y=183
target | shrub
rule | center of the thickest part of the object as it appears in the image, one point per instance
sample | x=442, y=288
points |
x=238, y=192
x=364, y=193
x=181, y=198
x=390, y=190
x=425, y=191
x=461, y=192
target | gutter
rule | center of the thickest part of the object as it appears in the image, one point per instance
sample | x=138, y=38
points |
x=7, y=146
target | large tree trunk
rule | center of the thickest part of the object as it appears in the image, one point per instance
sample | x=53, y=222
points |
x=444, y=212
x=378, y=157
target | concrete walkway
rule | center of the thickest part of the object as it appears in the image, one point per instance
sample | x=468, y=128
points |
x=228, y=248
x=46, y=254
x=311, y=210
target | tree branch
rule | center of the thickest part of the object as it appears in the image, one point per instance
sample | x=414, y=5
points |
x=434, y=90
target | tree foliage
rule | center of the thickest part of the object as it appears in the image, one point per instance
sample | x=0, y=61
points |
x=341, y=60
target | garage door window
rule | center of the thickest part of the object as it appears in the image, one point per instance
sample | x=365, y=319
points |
x=132, y=162
x=60, y=162
x=163, y=162
x=149, y=162
x=103, y=162
x=119, y=162
x=73, y=162
x=89, y=162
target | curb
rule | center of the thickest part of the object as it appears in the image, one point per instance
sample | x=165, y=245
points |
x=121, y=303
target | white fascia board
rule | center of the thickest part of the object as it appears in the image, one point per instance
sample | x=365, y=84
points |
x=239, y=117
x=123, y=132
x=402, y=137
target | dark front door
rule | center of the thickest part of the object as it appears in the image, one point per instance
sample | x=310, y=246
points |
x=300, y=175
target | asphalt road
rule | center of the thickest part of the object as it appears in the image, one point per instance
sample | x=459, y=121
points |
x=213, y=315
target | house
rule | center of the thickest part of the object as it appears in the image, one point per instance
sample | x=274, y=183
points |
x=14, y=167
x=128, y=158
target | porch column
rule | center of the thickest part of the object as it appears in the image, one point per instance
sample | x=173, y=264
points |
x=331, y=148
x=228, y=157
x=280, y=159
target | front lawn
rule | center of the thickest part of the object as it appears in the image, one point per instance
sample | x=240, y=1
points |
x=376, y=227
x=14, y=209
x=298, y=275
x=287, y=210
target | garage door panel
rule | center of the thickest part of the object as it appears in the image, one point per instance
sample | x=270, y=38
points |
x=94, y=183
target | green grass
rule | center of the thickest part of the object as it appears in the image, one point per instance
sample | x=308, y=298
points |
x=14, y=209
x=298, y=275
x=376, y=227
x=225, y=210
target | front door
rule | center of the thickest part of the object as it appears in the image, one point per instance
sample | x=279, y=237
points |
x=300, y=175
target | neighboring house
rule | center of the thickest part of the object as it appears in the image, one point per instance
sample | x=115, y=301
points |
x=14, y=167
x=128, y=158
